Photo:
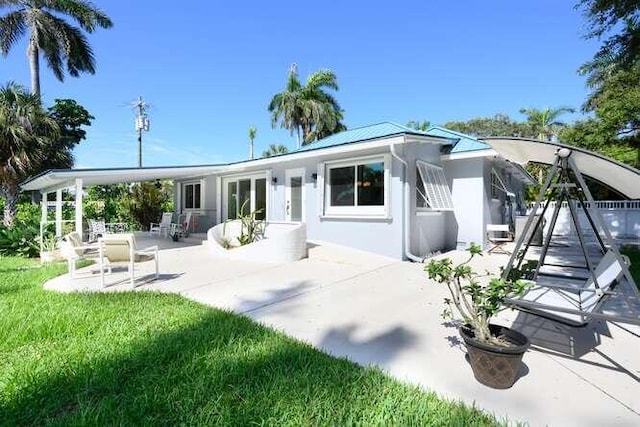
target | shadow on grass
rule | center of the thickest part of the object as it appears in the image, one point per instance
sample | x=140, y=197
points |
x=222, y=369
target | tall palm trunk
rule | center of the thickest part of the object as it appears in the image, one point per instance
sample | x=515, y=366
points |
x=34, y=65
x=10, y=192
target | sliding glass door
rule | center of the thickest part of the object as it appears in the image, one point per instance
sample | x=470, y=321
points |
x=243, y=195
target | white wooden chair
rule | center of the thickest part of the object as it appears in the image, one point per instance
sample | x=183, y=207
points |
x=499, y=235
x=73, y=250
x=162, y=227
x=178, y=231
x=97, y=229
x=121, y=248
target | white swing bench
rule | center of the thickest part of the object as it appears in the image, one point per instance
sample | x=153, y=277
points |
x=568, y=300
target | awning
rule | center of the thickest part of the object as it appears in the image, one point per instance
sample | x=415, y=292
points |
x=622, y=178
x=63, y=178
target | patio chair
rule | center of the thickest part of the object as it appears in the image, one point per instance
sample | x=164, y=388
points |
x=121, y=248
x=97, y=229
x=162, y=227
x=178, y=231
x=499, y=235
x=73, y=250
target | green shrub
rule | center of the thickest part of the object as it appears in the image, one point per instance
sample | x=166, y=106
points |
x=21, y=240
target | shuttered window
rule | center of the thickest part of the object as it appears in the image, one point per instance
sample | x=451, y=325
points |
x=432, y=191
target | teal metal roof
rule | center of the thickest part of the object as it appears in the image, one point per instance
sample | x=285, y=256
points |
x=361, y=134
x=464, y=144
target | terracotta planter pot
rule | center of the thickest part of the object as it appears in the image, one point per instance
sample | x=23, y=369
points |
x=495, y=366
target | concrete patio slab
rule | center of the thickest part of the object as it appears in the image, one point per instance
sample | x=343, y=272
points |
x=375, y=310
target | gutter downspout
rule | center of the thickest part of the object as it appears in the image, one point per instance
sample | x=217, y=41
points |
x=406, y=208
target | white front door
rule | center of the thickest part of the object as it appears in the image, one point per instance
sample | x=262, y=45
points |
x=294, y=195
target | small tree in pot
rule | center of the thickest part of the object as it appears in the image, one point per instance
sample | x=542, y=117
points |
x=495, y=352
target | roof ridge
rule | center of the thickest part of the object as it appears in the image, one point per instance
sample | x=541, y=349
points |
x=453, y=132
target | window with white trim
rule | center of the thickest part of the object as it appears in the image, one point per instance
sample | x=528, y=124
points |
x=246, y=192
x=432, y=191
x=357, y=187
x=192, y=195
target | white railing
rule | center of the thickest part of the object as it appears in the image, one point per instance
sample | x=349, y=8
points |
x=600, y=204
x=622, y=218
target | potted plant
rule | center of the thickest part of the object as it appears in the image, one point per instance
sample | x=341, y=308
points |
x=48, y=248
x=495, y=352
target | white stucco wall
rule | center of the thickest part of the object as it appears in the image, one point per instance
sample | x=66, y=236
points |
x=206, y=215
x=429, y=231
x=470, y=203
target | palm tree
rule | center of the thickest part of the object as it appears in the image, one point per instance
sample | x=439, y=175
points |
x=323, y=130
x=63, y=45
x=305, y=108
x=274, y=150
x=252, y=136
x=544, y=123
x=25, y=133
x=417, y=125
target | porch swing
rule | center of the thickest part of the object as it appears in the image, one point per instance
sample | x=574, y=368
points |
x=572, y=283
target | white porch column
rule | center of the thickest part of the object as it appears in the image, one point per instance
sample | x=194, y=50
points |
x=59, y=213
x=79, y=207
x=43, y=214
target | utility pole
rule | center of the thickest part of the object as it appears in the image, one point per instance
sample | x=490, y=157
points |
x=142, y=124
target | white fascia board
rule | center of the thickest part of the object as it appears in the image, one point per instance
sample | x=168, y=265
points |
x=57, y=179
x=320, y=152
x=429, y=139
x=469, y=155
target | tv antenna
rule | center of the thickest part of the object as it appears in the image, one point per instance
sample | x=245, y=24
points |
x=142, y=124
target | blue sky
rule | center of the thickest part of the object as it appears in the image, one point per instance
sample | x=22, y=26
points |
x=209, y=70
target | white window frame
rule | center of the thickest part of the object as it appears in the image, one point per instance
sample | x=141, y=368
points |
x=252, y=203
x=184, y=195
x=356, y=211
x=437, y=194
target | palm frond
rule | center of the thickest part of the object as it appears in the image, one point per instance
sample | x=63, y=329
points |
x=84, y=13
x=61, y=43
x=12, y=27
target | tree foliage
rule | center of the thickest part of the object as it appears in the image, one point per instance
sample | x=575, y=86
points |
x=419, y=125
x=498, y=125
x=274, y=150
x=308, y=110
x=70, y=117
x=64, y=46
x=613, y=74
x=544, y=124
x=617, y=23
x=27, y=134
x=146, y=202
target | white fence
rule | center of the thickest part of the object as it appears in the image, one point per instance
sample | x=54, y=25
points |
x=622, y=217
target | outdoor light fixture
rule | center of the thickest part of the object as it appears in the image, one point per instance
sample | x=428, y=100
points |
x=274, y=180
x=314, y=176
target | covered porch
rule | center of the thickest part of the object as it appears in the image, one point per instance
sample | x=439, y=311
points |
x=76, y=180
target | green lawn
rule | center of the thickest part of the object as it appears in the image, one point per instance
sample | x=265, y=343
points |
x=634, y=256
x=154, y=359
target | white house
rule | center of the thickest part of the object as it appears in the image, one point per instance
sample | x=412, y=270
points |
x=382, y=188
